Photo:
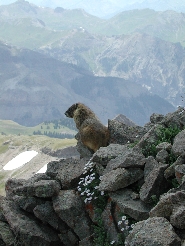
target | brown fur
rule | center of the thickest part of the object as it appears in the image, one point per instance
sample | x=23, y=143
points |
x=93, y=133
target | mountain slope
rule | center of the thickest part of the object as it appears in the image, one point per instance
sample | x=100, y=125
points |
x=39, y=26
x=40, y=88
x=155, y=64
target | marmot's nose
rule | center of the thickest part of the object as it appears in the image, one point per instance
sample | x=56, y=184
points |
x=67, y=114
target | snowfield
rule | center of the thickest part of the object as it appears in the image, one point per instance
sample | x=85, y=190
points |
x=20, y=160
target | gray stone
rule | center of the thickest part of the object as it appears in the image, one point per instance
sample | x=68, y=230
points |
x=179, y=172
x=156, y=118
x=105, y=154
x=27, y=229
x=83, y=150
x=155, y=184
x=172, y=207
x=150, y=164
x=164, y=207
x=178, y=147
x=6, y=234
x=45, y=212
x=27, y=203
x=67, y=171
x=150, y=137
x=120, y=178
x=42, y=188
x=175, y=119
x=109, y=224
x=164, y=146
x=121, y=133
x=88, y=241
x=129, y=159
x=22, y=186
x=68, y=238
x=135, y=208
x=152, y=232
x=170, y=171
x=162, y=156
x=69, y=207
x=177, y=219
x=2, y=218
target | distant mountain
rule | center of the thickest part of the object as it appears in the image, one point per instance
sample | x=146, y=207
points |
x=108, y=8
x=159, y=5
x=30, y=26
x=36, y=88
x=157, y=65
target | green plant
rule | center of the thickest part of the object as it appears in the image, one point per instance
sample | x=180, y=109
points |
x=154, y=199
x=164, y=134
x=168, y=134
x=88, y=189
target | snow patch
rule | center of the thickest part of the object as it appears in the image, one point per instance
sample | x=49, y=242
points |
x=43, y=169
x=20, y=160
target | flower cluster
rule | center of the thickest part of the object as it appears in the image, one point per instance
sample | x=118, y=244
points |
x=124, y=226
x=88, y=185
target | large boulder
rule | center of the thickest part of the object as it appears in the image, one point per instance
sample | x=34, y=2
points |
x=152, y=232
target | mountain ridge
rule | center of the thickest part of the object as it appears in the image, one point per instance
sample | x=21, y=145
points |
x=40, y=88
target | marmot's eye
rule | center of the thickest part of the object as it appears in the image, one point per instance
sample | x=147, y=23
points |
x=76, y=105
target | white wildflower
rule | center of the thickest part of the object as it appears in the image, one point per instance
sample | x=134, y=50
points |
x=124, y=217
x=102, y=193
x=119, y=222
x=112, y=242
x=126, y=222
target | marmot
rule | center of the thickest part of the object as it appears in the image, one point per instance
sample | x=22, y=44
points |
x=93, y=133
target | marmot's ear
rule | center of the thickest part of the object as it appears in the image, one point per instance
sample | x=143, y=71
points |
x=76, y=105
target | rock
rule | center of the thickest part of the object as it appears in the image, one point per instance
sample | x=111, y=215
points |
x=119, y=178
x=70, y=208
x=164, y=207
x=152, y=232
x=170, y=171
x=150, y=137
x=172, y=207
x=105, y=154
x=88, y=241
x=68, y=238
x=2, y=218
x=68, y=152
x=26, y=228
x=164, y=146
x=11, y=185
x=6, y=234
x=128, y=159
x=175, y=119
x=42, y=188
x=178, y=147
x=121, y=133
x=179, y=172
x=162, y=156
x=109, y=223
x=67, y=171
x=45, y=212
x=135, y=208
x=82, y=149
x=150, y=164
x=156, y=118
x=178, y=217
x=27, y=203
x=155, y=184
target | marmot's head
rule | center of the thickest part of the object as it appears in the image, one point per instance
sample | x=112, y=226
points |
x=70, y=112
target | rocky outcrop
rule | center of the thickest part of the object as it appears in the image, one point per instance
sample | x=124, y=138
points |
x=124, y=194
